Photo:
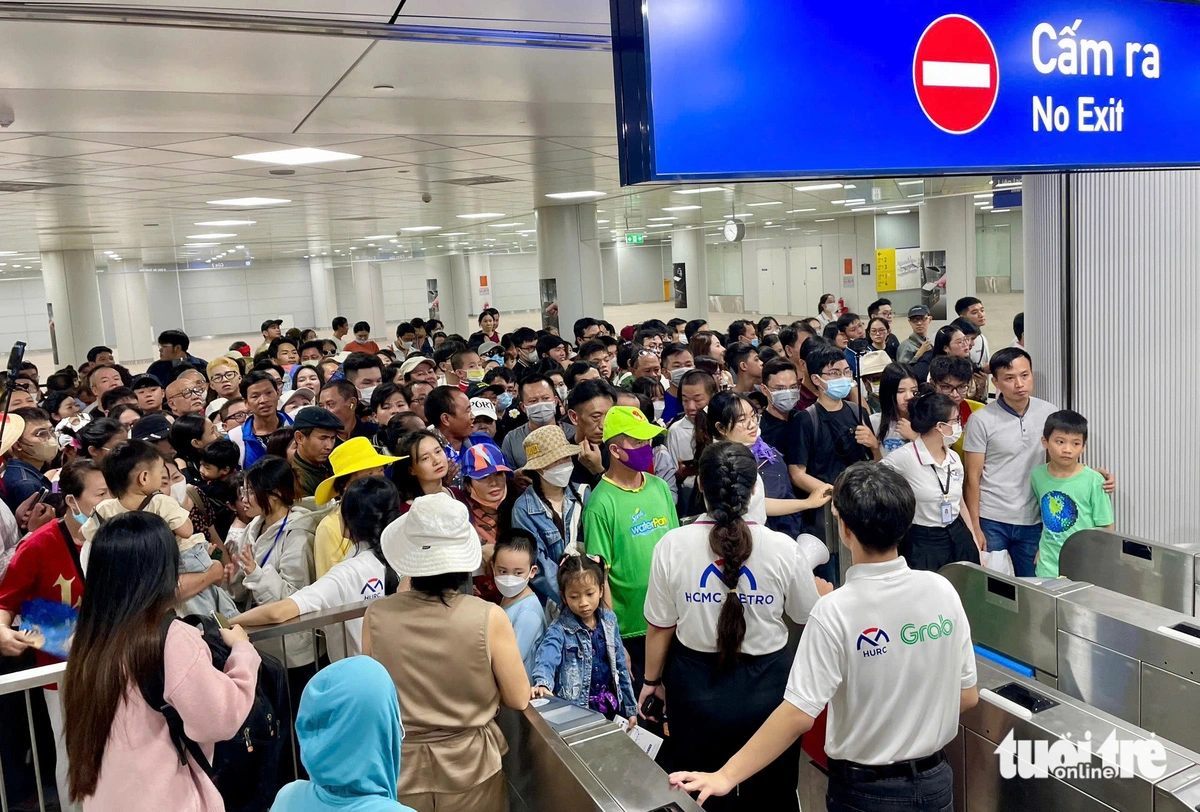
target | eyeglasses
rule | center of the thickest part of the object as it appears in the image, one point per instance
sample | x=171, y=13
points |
x=43, y=434
x=956, y=421
x=747, y=420
x=947, y=389
x=783, y=389
x=834, y=374
x=196, y=392
x=223, y=377
x=961, y=342
x=236, y=419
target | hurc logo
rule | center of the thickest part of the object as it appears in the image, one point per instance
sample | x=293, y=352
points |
x=1067, y=759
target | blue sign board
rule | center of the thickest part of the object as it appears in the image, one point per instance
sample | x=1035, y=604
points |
x=743, y=89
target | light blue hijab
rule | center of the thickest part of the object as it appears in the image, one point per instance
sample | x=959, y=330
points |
x=349, y=731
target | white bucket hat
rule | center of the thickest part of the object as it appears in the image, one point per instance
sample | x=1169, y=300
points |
x=435, y=537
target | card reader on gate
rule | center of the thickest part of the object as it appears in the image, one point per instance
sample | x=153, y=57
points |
x=564, y=717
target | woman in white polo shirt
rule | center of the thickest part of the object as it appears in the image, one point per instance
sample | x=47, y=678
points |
x=941, y=530
x=719, y=588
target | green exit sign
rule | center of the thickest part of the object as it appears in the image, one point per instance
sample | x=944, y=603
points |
x=635, y=239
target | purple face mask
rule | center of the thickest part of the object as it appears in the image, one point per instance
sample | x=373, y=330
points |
x=640, y=459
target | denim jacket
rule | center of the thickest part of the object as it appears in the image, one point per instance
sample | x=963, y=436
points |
x=532, y=514
x=564, y=661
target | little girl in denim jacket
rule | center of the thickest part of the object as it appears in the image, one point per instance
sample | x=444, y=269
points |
x=581, y=658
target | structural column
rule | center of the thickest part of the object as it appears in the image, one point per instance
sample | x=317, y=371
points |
x=133, y=337
x=324, y=293
x=948, y=224
x=687, y=249
x=73, y=294
x=368, y=298
x=569, y=254
x=1110, y=258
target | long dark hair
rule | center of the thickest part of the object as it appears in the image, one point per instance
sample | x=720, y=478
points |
x=271, y=476
x=941, y=341
x=724, y=409
x=369, y=505
x=132, y=575
x=96, y=433
x=403, y=478
x=184, y=430
x=889, y=386
x=728, y=472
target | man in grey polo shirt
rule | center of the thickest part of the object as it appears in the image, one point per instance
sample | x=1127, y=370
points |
x=1003, y=445
x=540, y=404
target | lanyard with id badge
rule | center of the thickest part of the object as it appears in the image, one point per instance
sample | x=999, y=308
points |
x=947, y=510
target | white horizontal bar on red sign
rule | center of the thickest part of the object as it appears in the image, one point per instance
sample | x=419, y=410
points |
x=956, y=74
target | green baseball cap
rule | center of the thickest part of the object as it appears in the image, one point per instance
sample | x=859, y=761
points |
x=630, y=421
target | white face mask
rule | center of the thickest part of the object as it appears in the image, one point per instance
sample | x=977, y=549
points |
x=541, y=413
x=955, y=433
x=366, y=394
x=179, y=492
x=562, y=393
x=660, y=408
x=559, y=475
x=830, y=306
x=511, y=586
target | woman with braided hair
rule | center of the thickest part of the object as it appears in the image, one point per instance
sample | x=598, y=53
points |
x=718, y=591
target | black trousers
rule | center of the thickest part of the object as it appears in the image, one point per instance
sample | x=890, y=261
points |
x=713, y=712
x=931, y=548
x=929, y=791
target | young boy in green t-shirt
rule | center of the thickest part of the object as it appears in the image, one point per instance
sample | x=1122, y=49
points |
x=1070, y=494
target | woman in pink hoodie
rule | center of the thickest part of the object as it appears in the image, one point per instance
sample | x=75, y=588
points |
x=120, y=751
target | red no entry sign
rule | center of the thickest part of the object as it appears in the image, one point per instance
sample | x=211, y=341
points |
x=956, y=74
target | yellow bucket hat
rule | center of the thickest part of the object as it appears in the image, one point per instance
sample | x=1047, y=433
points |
x=354, y=455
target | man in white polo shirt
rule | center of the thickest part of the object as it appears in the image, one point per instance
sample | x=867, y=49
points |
x=890, y=654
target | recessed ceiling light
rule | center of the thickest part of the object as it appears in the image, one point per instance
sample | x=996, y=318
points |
x=249, y=202
x=482, y=216
x=575, y=195
x=820, y=187
x=682, y=208
x=660, y=225
x=1000, y=211
x=199, y=244
x=602, y=222
x=109, y=253
x=504, y=225
x=771, y=226
x=376, y=237
x=300, y=156
x=453, y=234
x=798, y=211
x=983, y=203
x=239, y=247
x=700, y=191
x=653, y=219
x=209, y=236
x=8, y=253
x=849, y=186
x=900, y=211
x=863, y=209
x=910, y=183
x=422, y=228
x=985, y=208
x=772, y=203
x=918, y=194
x=827, y=220
x=226, y=223
x=985, y=195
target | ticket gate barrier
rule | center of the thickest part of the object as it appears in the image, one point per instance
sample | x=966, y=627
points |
x=1166, y=575
x=563, y=757
x=1132, y=659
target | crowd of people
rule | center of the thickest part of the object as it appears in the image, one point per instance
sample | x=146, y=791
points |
x=510, y=505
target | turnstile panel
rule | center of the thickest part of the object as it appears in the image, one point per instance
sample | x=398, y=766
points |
x=1158, y=573
x=1099, y=676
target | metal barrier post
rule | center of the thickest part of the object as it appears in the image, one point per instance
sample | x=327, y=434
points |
x=287, y=683
x=37, y=767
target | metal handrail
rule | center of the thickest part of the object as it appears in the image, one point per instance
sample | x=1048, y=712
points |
x=42, y=676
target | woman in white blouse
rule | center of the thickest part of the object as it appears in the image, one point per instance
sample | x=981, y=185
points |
x=719, y=589
x=940, y=533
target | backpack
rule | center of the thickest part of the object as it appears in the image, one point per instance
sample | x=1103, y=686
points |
x=249, y=769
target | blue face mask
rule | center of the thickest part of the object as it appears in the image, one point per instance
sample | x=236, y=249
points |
x=504, y=400
x=79, y=517
x=754, y=342
x=499, y=359
x=839, y=388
